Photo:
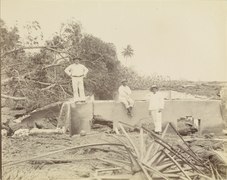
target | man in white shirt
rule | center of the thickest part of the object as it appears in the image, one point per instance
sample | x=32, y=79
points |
x=124, y=96
x=156, y=106
x=77, y=72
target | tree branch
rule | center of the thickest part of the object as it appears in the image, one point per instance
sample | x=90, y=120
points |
x=4, y=81
x=13, y=97
x=48, y=87
x=39, y=82
x=65, y=93
x=33, y=47
x=51, y=65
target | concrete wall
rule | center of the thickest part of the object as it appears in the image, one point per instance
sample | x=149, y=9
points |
x=81, y=114
x=76, y=116
x=206, y=110
x=167, y=94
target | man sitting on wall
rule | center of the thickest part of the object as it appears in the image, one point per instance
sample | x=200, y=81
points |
x=124, y=96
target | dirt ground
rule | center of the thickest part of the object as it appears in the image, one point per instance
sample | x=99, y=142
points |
x=84, y=162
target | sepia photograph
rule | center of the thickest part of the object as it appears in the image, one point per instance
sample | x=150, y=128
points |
x=113, y=89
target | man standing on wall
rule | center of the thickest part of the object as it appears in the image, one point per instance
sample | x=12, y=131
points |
x=124, y=96
x=156, y=105
x=77, y=72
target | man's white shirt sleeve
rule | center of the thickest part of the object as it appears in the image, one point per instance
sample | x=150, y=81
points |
x=68, y=70
x=85, y=70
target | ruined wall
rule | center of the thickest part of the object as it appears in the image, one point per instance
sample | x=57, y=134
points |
x=206, y=110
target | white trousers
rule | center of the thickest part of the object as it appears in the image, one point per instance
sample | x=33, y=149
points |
x=157, y=118
x=78, y=88
x=128, y=102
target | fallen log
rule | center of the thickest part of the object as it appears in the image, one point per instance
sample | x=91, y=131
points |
x=36, y=131
x=50, y=161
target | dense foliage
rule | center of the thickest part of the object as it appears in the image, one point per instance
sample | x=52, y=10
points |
x=39, y=76
x=32, y=79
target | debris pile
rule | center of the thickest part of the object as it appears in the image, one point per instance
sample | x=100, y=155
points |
x=7, y=117
x=36, y=131
x=188, y=125
x=140, y=154
x=14, y=120
x=162, y=159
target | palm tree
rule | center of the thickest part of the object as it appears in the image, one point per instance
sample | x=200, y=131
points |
x=127, y=53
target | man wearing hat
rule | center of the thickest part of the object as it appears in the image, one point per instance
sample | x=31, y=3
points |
x=77, y=72
x=124, y=96
x=156, y=105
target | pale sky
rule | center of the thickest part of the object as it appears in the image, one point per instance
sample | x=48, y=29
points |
x=182, y=39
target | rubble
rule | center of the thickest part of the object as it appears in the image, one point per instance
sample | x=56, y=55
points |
x=131, y=155
x=36, y=131
x=8, y=115
x=173, y=161
x=188, y=125
x=99, y=120
x=16, y=119
x=21, y=133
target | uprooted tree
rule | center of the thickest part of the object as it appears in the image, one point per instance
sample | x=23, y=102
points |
x=31, y=80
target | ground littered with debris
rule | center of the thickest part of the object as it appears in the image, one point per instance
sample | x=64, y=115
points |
x=71, y=164
x=128, y=153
